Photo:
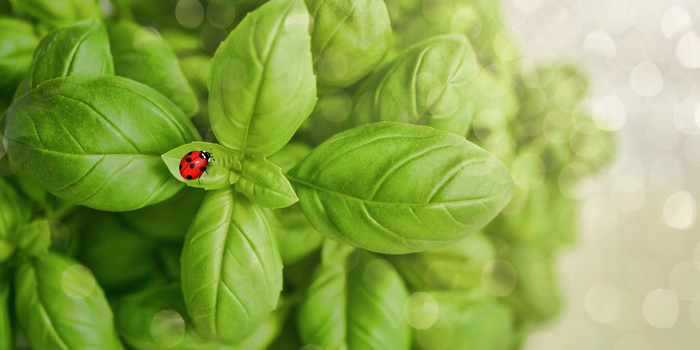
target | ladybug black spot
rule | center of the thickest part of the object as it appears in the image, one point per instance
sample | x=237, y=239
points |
x=191, y=165
x=189, y=177
x=189, y=154
x=188, y=160
x=203, y=168
x=180, y=166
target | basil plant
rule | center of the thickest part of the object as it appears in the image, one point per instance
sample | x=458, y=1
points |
x=228, y=174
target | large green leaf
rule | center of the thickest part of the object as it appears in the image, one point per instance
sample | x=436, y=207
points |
x=358, y=309
x=144, y=57
x=432, y=83
x=261, y=85
x=397, y=188
x=231, y=267
x=349, y=39
x=60, y=306
x=97, y=140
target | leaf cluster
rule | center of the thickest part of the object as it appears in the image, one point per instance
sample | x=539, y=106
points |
x=384, y=175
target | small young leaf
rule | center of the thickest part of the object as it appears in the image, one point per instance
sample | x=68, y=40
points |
x=142, y=56
x=53, y=295
x=81, y=48
x=359, y=309
x=231, y=267
x=261, y=85
x=219, y=171
x=17, y=43
x=349, y=39
x=56, y=13
x=432, y=83
x=263, y=183
x=398, y=188
x=97, y=140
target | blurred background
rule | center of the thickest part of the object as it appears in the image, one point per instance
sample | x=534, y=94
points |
x=633, y=279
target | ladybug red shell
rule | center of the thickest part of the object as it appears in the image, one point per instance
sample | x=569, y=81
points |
x=194, y=164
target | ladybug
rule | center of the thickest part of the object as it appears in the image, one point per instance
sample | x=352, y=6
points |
x=194, y=164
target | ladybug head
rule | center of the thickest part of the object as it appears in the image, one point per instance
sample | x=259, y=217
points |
x=205, y=155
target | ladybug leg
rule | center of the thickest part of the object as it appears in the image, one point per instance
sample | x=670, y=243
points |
x=199, y=182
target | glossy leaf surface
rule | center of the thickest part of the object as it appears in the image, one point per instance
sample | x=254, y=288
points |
x=261, y=85
x=398, y=188
x=349, y=39
x=97, y=140
x=359, y=309
x=432, y=83
x=60, y=306
x=231, y=267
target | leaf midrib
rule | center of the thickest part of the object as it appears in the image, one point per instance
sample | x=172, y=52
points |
x=340, y=194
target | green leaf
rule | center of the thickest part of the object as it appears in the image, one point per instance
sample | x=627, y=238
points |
x=142, y=56
x=263, y=183
x=432, y=83
x=349, y=39
x=296, y=237
x=56, y=13
x=261, y=85
x=134, y=264
x=6, y=334
x=14, y=211
x=17, y=43
x=451, y=268
x=155, y=318
x=359, y=309
x=81, y=48
x=397, y=188
x=97, y=140
x=34, y=238
x=479, y=324
x=60, y=306
x=231, y=267
x=221, y=173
